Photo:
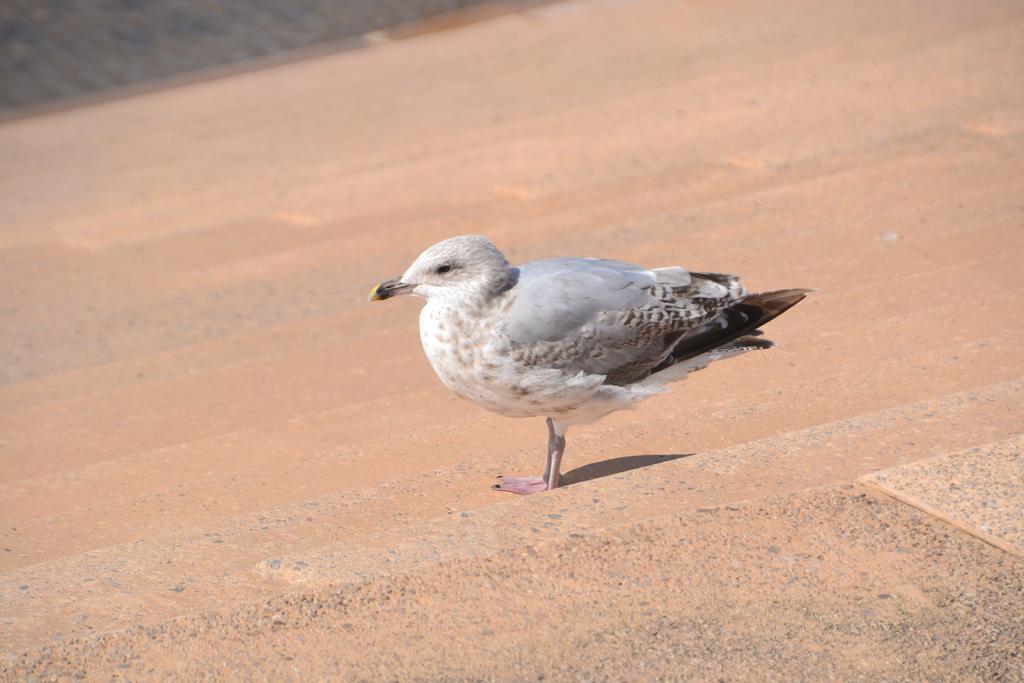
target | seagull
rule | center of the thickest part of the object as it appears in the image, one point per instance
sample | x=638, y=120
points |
x=572, y=339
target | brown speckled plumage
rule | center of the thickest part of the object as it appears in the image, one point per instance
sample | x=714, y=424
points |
x=574, y=338
x=549, y=336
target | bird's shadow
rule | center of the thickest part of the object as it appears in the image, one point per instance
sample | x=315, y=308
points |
x=605, y=468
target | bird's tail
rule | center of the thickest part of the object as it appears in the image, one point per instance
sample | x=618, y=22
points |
x=736, y=327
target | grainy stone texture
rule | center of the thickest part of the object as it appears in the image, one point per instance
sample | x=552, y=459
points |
x=828, y=584
x=980, y=490
x=199, y=410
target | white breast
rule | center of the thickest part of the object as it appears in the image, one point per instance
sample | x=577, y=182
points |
x=453, y=348
x=474, y=360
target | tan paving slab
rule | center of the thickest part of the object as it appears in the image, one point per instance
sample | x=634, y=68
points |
x=980, y=490
x=402, y=525
x=829, y=584
x=194, y=384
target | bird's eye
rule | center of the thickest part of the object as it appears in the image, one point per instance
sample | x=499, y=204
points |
x=441, y=270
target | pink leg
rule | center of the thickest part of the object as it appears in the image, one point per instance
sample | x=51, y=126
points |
x=526, y=486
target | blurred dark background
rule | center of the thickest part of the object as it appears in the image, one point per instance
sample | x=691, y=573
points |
x=56, y=50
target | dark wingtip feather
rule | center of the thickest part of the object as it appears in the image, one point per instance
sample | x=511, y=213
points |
x=776, y=303
x=742, y=319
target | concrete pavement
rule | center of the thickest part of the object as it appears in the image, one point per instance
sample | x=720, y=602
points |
x=201, y=416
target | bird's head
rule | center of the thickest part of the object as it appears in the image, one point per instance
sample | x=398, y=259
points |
x=461, y=266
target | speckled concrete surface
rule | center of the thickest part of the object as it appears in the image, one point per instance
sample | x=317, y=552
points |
x=198, y=409
x=980, y=490
x=828, y=584
x=346, y=538
x=690, y=482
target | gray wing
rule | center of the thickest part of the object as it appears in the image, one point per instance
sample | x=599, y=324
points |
x=608, y=317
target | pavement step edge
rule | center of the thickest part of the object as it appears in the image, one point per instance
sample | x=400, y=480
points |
x=105, y=590
x=668, y=488
x=932, y=482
